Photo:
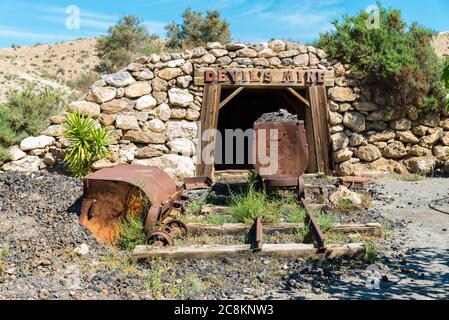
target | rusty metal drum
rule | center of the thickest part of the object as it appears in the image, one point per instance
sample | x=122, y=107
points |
x=110, y=193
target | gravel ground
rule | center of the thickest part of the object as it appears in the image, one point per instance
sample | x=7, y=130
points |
x=39, y=231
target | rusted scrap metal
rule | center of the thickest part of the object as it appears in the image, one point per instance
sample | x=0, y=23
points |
x=292, y=149
x=124, y=192
x=196, y=183
x=355, y=182
x=255, y=235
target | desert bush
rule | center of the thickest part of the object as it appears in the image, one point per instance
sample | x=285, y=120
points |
x=3, y=154
x=197, y=29
x=396, y=57
x=26, y=113
x=83, y=82
x=87, y=143
x=125, y=39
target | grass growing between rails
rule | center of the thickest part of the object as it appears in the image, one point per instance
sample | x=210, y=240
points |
x=244, y=208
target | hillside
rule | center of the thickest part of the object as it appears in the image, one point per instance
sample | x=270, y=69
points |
x=46, y=65
x=441, y=44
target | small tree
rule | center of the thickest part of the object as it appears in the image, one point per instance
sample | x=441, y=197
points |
x=399, y=59
x=124, y=40
x=197, y=30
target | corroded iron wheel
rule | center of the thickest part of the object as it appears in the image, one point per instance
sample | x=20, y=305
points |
x=160, y=238
x=177, y=228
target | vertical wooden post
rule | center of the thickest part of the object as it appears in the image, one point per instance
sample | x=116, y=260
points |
x=321, y=131
x=209, y=120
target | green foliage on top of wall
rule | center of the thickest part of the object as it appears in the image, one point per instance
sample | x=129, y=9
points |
x=197, y=29
x=125, y=39
x=396, y=57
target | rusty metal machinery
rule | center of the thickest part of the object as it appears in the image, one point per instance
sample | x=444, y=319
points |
x=290, y=143
x=124, y=191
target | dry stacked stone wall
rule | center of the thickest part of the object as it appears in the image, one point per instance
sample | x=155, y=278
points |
x=152, y=108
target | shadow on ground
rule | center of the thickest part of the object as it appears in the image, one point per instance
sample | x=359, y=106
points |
x=422, y=274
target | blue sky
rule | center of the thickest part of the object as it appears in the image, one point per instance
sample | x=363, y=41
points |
x=44, y=21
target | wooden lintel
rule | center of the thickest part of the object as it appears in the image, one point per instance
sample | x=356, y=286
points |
x=289, y=250
x=369, y=229
x=299, y=96
x=230, y=97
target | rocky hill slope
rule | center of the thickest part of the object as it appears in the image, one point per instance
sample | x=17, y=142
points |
x=441, y=44
x=45, y=65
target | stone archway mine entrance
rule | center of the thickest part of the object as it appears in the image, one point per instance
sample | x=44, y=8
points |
x=234, y=99
x=241, y=113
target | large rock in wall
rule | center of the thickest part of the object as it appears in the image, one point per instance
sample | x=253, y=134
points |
x=152, y=105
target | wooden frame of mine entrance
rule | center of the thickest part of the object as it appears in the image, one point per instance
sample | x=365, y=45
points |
x=317, y=119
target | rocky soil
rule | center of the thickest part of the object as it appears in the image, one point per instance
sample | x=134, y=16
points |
x=40, y=242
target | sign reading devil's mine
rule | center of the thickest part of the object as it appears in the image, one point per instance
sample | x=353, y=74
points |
x=263, y=77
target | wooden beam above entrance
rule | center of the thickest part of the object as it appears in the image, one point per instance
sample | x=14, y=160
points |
x=230, y=97
x=299, y=96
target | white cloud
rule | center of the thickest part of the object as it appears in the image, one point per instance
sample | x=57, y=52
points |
x=29, y=35
x=294, y=20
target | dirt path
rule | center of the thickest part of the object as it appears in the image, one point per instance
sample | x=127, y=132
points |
x=416, y=263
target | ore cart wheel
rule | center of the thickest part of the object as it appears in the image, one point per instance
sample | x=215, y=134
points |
x=160, y=238
x=177, y=228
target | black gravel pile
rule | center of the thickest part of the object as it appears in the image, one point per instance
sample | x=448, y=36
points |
x=279, y=116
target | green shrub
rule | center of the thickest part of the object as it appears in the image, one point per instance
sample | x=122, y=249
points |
x=26, y=113
x=83, y=82
x=3, y=154
x=197, y=29
x=397, y=58
x=446, y=80
x=126, y=38
x=326, y=221
x=87, y=143
x=244, y=208
x=131, y=233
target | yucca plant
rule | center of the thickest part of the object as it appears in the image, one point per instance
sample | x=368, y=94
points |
x=87, y=143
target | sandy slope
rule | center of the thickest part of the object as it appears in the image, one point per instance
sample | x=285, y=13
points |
x=45, y=65
x=441, y=44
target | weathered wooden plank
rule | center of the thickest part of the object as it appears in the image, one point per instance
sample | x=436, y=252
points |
x=299, y=96
x=369, y=229
x=290, y=250
x=240, y=228
x=230, y=97
x=256, y=77
x=321, y=130
x=209, y=120
x=312, y=166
